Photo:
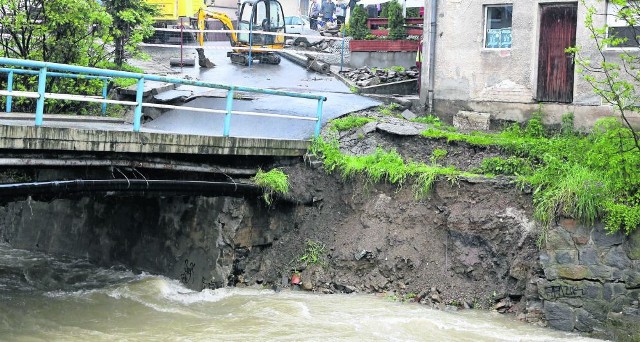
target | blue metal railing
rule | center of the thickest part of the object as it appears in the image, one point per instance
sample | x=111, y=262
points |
x=11, y=72
x=86, y=72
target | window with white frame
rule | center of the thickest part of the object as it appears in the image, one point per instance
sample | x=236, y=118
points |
x=498, y=20
x=623, y=22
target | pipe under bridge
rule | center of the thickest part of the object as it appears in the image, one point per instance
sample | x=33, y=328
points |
x=74, y=153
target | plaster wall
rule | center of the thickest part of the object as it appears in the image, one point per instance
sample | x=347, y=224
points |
x=468, y=75
x=359, y=59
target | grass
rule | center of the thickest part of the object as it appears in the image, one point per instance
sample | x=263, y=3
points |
x=349, y=122
x=314, y=253
x=590, y=177
x=381, y=167
x=273, y=182
x=392, y=109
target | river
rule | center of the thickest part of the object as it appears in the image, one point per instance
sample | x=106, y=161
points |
x=60, y=299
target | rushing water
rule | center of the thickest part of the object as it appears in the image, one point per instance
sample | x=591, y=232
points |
x=56, y=299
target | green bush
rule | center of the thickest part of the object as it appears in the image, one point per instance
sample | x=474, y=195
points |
x=396, y=21
x=511, y=166
x=358, y=23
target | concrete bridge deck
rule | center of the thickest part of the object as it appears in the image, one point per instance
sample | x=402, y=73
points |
x=103, y=134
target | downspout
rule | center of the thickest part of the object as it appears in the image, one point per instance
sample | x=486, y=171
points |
x=432, y=55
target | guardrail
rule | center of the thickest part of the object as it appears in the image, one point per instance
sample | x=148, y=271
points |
x=85, y=72
x=11, y=72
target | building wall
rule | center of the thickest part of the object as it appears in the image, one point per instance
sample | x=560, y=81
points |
x=502, y=81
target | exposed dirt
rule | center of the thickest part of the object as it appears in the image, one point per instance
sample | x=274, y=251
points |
x=470, y=243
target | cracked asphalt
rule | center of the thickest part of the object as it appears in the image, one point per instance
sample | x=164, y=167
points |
x=286, y=76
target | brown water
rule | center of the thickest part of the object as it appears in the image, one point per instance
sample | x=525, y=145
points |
x=54, y=299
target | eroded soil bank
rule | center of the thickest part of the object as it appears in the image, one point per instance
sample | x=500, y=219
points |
x=471, y=243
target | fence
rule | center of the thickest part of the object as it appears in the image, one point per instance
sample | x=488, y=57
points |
x=13, y=66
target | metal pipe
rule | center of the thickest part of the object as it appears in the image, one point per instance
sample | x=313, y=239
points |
x=54, y=74
x=227, y=117
x=250, y=38
x=342, y=50
x=319, y=118
x=105, y=85
x=42, y=83
x=432, y=55
x=130, y=185
x=9, y=89
x=137, y=114
x=169, y=166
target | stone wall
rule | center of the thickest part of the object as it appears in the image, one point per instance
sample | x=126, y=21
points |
x=194, y=239
x=591, y=281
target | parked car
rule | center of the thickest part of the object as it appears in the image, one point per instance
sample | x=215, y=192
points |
x=297, y=24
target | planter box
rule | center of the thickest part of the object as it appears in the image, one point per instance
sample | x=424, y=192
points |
x=384, y=45
x=411, y=32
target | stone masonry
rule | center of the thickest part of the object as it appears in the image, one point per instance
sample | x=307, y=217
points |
x=591, y=281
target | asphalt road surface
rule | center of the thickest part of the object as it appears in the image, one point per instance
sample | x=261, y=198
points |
x=285, y=76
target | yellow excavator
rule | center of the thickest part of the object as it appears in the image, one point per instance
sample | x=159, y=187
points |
x=257, y=16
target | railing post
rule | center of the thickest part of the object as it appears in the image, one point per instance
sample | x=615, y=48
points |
x=250, y=39
x=319, y=117
x=9, y=89
x=42, y=83
x=342, y=50
x=227, y=117
x=105, y=84
x=137, y=114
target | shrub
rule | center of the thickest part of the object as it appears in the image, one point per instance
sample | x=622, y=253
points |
x=396, y=21
x=358, y=23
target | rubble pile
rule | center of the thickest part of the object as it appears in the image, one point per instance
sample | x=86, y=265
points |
x=366, y=77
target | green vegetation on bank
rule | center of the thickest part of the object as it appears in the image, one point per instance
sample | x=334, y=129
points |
x=273, y=181
x=590, y=177
x=350, y=122
x=381, y=166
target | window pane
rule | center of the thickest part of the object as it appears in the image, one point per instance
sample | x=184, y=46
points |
x=620, y=20
x=629, y=32
x=498, y=25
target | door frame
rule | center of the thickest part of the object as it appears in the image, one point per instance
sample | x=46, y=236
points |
x=538, y=90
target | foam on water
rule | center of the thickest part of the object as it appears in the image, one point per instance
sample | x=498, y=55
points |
x=107, y=304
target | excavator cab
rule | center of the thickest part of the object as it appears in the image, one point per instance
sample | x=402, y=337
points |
x=262, y=16
x=257, y=16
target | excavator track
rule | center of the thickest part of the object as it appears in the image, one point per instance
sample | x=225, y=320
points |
x=238, y=58
x=270, y=58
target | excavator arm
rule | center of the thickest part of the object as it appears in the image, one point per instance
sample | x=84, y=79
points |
x=203, y=14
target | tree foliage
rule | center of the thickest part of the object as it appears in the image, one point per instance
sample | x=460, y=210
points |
x=132, y=22
x=396, y=21
x=83, y=33
x=358, y=23
x=61, y=31
x=614, y=77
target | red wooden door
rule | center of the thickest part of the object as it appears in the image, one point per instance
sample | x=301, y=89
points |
x=555, y=67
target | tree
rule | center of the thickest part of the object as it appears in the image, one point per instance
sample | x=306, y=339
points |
x=61, y=31
x=396, y=21
x=132, y=22
x=358, y=23
x=616, y=78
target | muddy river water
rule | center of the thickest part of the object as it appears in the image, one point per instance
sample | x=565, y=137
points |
x=56, y=299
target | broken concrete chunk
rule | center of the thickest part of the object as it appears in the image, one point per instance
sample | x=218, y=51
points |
x=398, y=129
x=471, y=121
x=409, y=115
x=367, y=128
